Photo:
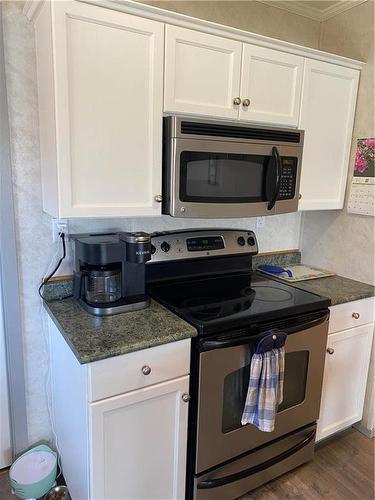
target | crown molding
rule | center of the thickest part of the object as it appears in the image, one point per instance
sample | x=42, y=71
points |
x=32, y=8
x=302, y=9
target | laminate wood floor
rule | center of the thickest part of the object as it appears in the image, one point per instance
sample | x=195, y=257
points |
x=343, y=469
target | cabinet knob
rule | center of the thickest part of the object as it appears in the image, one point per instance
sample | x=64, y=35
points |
x=186, y=397
x=356, y=315
x=158, y=198
x=330, y=350
x=300, y=196
x=146, y=370
x=246, y=103
x=237, y=101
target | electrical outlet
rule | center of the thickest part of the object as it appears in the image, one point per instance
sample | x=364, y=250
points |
x=59, y=226
x=261, y=222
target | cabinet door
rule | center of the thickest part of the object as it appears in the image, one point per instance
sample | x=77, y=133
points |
x=109, y=88
x=345, y=377
x=138, y=448
x=202, y=73
x=271, y=81
x=327, y=114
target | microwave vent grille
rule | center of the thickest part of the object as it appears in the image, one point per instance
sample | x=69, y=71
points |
x=233, y=131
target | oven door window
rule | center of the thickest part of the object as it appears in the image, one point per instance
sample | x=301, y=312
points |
x=223, y=177
x=236, y=384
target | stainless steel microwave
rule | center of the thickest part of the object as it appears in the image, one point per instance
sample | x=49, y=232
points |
x=214, y=169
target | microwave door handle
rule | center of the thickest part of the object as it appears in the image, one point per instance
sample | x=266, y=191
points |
x=277, y=175
x=222, y=481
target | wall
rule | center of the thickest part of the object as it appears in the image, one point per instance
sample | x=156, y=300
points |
x=326, y=234
x=249, y=16
x=337, y=240
x=34, y=239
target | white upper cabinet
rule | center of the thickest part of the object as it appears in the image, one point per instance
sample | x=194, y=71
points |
x=100, y=75
x=202, y=73
x=270, y=86
x=327, y=114
x=105, y=77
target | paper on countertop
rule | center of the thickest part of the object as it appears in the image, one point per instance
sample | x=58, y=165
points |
x=300, y=273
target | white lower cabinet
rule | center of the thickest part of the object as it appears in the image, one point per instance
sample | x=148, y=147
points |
x=121, y=423
x=138, y=446
x=345, y=378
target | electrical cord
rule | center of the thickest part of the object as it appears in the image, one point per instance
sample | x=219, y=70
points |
x=45, y=280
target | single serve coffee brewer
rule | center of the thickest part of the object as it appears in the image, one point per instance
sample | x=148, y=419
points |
x=109, y=271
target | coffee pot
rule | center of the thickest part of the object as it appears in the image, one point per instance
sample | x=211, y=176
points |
x=109, y=271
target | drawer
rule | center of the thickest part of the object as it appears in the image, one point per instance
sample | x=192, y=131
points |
x=351, y=314
x=113, y=376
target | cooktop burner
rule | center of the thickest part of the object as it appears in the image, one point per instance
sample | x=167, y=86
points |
x=217, y=303
x=272, y=294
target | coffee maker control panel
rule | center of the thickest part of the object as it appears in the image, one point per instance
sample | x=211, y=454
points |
x=201, y=243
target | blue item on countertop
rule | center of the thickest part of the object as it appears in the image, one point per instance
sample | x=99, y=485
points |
x=268, y=268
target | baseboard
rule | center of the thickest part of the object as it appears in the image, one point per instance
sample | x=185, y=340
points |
x=367, y=432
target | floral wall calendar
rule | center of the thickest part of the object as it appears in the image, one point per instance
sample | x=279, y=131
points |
x=362, y=192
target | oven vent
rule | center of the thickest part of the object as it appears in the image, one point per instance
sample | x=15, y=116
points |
x=218, y=130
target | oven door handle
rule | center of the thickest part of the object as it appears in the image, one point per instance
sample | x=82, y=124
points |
x=222, y=481
x=276, y=176
x=208, y=345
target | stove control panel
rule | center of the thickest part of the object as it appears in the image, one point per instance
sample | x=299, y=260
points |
x=199, y=243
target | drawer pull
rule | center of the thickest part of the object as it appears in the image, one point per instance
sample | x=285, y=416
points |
x=146, y=370
x=330, y=350
x=356, y=315
x=186, y=397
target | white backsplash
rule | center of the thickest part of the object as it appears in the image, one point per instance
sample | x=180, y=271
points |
x=34, y=232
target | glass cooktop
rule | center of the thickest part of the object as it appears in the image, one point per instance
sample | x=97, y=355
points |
x=226, y=302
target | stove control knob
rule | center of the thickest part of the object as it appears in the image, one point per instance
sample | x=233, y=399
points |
x=241, y=241
x=251, y=240
x=165, y=246
x=153, y=249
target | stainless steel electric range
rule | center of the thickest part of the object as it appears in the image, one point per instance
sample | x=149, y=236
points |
x=206, y=278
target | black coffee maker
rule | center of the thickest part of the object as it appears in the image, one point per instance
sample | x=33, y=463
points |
x=109, y=271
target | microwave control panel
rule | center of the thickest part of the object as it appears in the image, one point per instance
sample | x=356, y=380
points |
x=288, y=178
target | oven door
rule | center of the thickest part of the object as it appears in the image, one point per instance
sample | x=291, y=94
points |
x=223, y=382
x=232, y=179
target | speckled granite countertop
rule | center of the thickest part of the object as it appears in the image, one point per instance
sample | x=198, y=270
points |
x=337, y=288
x=92, y=338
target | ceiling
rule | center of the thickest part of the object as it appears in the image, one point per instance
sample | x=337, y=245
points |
x=320, y=10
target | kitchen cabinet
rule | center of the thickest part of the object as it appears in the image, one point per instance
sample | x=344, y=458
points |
x=139, y=443
x=106, y=75
x=121, y=423
x=270, y=86
x=204, y=75
x=100, y=90
x=328, y=103
x=346, y=367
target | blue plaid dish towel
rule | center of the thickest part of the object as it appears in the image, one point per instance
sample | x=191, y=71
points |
x=266, y=382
